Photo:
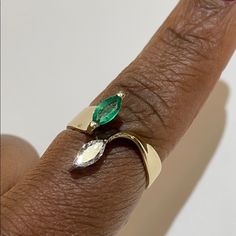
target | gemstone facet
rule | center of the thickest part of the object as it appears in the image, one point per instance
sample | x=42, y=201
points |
x=90, y=153
x=107, y=110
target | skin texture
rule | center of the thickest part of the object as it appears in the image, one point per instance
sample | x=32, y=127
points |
x=165, y=85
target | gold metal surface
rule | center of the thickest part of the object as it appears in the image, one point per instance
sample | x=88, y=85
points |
x=83, y=121
x=151, y=159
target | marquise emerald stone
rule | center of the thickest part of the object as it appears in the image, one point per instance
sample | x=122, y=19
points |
x=107, y=110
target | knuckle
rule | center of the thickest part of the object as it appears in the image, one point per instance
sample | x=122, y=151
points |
x=144, y=106
x=185, y=46
x=193, y=36
x=214, y=5
x=149, y=107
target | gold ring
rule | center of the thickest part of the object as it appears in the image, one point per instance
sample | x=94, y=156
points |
x=94, y=116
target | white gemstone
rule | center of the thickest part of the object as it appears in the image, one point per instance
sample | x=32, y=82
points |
x=90, y=153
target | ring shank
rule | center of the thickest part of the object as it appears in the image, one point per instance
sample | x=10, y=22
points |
x=151, y=159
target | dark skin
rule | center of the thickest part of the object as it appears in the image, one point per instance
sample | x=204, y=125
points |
x=166, y=86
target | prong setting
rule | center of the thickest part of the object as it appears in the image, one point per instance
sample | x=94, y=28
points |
x=121, y=94
x=92, y=126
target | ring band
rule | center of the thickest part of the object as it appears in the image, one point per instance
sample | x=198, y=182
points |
x=94, y=116
x=151, y=159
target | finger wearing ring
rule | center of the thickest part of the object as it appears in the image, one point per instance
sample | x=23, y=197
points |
x=95, y=116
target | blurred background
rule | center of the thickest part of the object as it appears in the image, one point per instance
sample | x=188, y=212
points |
x=55, y=52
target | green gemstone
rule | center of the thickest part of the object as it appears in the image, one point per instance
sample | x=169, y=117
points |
x=107, y=110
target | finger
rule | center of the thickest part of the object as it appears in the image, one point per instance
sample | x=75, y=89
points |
x=172, y=77
x=17, y=157
x=166, y=85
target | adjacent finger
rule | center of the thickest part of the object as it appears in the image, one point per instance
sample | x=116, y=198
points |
x=166, y=86
x=17, y=157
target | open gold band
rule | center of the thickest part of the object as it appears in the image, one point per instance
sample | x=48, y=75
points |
x=151, y=159
x=92, y=151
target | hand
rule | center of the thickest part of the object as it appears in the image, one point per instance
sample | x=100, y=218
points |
x=166, y=86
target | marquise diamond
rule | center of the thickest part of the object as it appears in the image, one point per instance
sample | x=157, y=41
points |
x=90, y=153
